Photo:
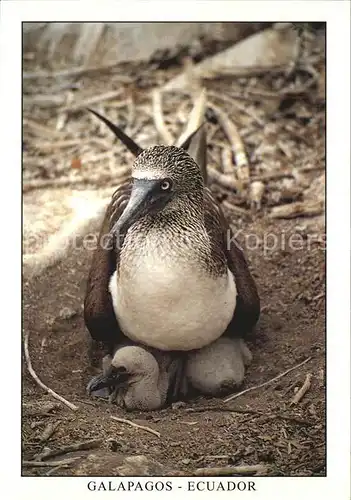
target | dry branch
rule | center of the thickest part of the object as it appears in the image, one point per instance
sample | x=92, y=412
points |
x=85, y=445
x=227, y=163
x=239, y=470
x=41, y=129
x=37, y=379
x=94, y=100
x=49, y=430
x=234, y=102
x=80, y=70
x=196, y=117
x=59, y=463
x=226, y=180
x=158, y=118
x=234, y=396
x=256, y=192
x=297, y=209
x=302, y=391
x=244, y=71
x=137, y=426
x=296, y=56
x=238, y=210
x=269, y=416
x=224, y=409
x=242, y=164
x=101, y=179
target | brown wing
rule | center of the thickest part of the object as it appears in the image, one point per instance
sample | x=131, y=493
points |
x=99, y=315
x=247, y=309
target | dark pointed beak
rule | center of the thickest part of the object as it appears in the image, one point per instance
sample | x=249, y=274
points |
x=141, y=199
x=113, y=379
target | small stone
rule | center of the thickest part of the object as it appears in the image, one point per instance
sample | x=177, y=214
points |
x=178, y=404
x=113, y=444
x=186, y=461
x=67, y=313
x=140, y=465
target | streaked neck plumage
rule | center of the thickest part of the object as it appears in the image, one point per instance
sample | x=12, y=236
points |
x=177, y=234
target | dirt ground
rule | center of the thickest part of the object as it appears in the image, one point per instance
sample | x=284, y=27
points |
x=289, y=439
x=260, y=427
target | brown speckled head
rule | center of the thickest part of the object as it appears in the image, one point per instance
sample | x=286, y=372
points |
x=161, y=162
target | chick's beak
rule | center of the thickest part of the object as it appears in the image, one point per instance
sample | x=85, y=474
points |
x=113, y=379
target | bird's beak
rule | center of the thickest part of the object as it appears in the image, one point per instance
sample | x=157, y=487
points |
x=114, y=379
x=141, y=198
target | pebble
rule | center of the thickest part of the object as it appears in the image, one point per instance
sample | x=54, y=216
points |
x=67, y=313
x=178, y=404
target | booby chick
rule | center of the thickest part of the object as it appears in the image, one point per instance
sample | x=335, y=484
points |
x=168, y=272
x=218, y=368
x=135, y=378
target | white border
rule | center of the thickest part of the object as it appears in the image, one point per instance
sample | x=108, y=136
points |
x=338, y=223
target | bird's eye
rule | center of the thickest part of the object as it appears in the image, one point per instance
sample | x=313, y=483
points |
x=166, y=185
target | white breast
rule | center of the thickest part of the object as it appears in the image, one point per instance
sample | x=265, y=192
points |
x=173, y=308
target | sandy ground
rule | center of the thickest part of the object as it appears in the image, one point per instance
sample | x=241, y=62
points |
x=262, y=426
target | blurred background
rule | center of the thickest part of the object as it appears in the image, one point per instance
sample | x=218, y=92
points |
x=265, y=95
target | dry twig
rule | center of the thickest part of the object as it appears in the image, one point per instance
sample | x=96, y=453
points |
x=296, y=56
x=80, y=70
x=85, y=445
x=196, y=117
x=231, y=131
x=59, y=463
x=55, y=469
x=44, y=100
x=223, y=408
x=116, y=177
x=42, y=410
x=302, y=391
x=227, y=163
x=49, y=430
x=234, y=396
x=44, y=146
x=233, y=102
x=297, y=209
x=158, y=118
x=272, y=176
x=238, y=210
x=94, y=100
x=239, y=470
x=37, y=379
x=40, y=129
x=244, y=71
x=270, y=416
x=225, y=180
x=137, y=426
x=255, y=194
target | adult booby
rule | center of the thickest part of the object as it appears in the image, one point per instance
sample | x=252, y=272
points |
x=135, y=377
x=167, y=272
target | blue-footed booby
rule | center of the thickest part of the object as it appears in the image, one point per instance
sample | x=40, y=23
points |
x=167, y=272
